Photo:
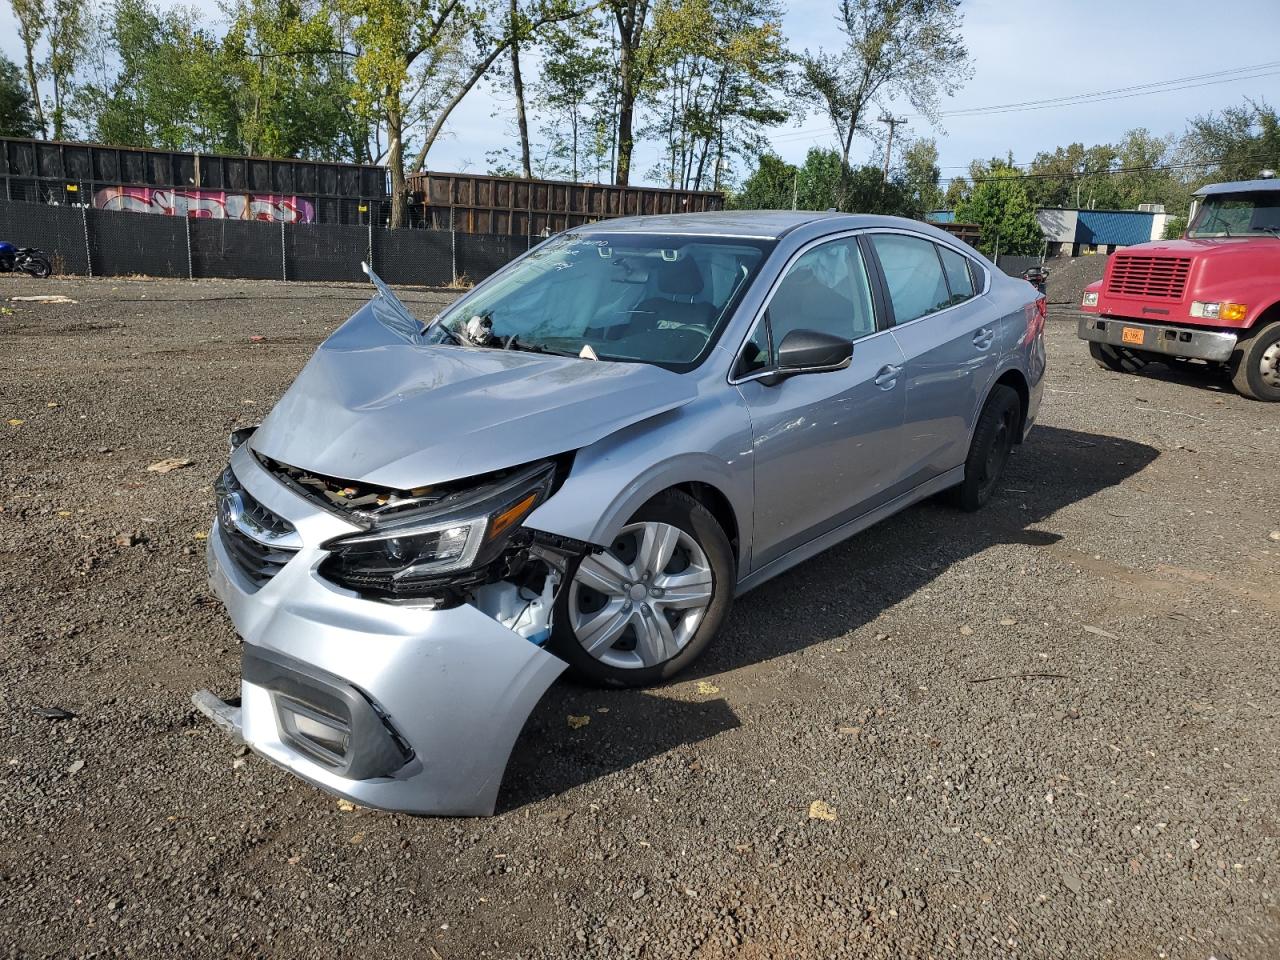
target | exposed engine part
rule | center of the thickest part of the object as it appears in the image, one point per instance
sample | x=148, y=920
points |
x=518, y=608
x=478, y=331
x=365, y=504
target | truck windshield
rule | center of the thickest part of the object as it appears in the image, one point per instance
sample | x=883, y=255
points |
x=647, y=298
x=1238, y=215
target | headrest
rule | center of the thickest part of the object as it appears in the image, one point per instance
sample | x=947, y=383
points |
x=680, y=277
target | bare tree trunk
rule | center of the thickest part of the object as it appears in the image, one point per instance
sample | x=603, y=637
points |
x=517, y=84
x=573, y=126
x=28, y=44
x=626, y=115
x=395, y=163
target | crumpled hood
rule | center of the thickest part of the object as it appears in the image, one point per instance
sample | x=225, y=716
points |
x=371, y=407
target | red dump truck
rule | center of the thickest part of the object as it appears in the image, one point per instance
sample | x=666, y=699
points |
x=1212, y=296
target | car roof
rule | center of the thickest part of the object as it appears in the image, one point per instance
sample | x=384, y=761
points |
x=753, y=224
x=1239, y=186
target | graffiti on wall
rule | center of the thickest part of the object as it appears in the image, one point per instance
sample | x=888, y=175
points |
x=206, y=204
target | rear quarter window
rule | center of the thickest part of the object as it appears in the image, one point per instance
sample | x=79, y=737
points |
x=960, y=274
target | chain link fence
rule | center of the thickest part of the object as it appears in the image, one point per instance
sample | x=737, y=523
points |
x=85, y=241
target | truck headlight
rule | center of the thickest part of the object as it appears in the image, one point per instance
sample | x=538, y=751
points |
x=1232, y=312
x=1090, y=298
x=403, y=554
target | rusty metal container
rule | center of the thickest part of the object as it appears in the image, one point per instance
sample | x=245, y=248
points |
x=477, y=203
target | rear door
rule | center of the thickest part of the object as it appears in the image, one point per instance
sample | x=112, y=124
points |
x=950, y=342
x=826, y=445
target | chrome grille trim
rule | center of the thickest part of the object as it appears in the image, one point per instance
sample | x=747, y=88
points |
x=257, y=540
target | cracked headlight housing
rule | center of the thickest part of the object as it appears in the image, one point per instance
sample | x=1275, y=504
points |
x=403, y=555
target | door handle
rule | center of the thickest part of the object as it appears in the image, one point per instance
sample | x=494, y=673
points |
x=887, y=376
x=983, y=338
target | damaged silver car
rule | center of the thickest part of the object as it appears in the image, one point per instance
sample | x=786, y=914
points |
x=580, y=464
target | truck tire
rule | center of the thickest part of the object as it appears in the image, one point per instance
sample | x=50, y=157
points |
x=1118, y=359
x=1255, y=365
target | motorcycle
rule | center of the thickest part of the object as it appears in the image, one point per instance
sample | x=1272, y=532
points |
x=1037, y=276
x=24, y=260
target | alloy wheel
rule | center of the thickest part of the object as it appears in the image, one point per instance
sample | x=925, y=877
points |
x=639, y=602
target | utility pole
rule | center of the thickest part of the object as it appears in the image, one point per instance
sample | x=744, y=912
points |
x=893, y=122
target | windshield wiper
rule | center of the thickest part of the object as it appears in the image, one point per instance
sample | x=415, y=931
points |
x=1274, y=231
x=513, y=343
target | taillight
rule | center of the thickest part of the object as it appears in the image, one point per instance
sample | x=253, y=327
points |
x=1035, y=322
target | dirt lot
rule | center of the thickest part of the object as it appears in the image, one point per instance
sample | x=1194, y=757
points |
x=1047, y=730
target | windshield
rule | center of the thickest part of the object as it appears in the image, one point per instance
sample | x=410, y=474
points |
x=649, y=298
x=1238, y=215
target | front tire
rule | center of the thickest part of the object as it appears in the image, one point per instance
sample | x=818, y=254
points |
x=1116, y=359
x=646, y=607
x=1255, y=365
x=993, y=440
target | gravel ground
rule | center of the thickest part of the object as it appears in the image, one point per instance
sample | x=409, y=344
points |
x=1046, y=730
x=1068, y=276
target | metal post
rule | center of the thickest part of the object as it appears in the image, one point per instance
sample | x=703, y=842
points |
x=453, y=247
x=368, y=217
x=191, y=274
x=284, y=273
x=88, y=253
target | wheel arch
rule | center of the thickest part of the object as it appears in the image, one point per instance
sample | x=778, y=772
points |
x=1266, y=316
x=583, y=511
x=1016, y=381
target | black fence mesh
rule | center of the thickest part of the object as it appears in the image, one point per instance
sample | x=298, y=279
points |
x=87, y=241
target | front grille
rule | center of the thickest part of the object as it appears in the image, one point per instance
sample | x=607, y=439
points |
x=1159, y=278
x=258, y=541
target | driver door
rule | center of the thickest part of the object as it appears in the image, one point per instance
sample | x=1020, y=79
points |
x=826, y=445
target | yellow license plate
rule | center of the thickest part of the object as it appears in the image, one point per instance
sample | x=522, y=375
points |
x=1132, y=335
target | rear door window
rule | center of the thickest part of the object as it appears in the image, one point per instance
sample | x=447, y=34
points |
x=913, y=275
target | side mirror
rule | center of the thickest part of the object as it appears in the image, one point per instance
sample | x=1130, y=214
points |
x=812, y=351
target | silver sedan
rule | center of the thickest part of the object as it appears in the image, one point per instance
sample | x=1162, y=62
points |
x=580, y=464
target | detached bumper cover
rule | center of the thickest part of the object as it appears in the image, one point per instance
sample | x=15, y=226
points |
x=404, y=709
x=1159, y=338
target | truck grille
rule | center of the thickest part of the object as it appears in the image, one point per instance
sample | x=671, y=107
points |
x=258, y=541
x=1158, y=278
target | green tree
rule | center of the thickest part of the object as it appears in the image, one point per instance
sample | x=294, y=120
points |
x=999, y=205
x=32, y=17
x=67, y=40
x=921, y=176
x=576, y=68
x=823, y=183
x=1234, y=143
x=774, y=185
x=173, y=87
x=718, y=85
x=17, y=119
x=908, y=49
x=294, y=91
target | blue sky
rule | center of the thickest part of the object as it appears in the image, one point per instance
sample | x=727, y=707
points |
x=1021, y=51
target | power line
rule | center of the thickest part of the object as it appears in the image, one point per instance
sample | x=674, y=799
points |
x=1098, y=96
x=1111, y=172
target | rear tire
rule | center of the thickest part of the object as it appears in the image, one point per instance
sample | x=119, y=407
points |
x=38, y=267
x=993, y=440
x=1255, y=365
x=629, y=657
x=1116, y=359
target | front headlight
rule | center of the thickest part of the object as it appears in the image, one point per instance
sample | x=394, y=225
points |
x=404, y=553
x=1090, y=298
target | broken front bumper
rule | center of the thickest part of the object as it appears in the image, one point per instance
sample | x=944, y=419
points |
x=1158, y=338
x=388, y=706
